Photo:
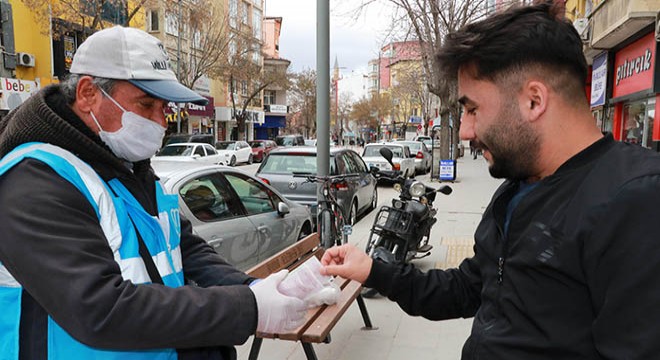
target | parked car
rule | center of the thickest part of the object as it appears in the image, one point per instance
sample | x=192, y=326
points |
x=234, y=152
x=189, y=138
x=421, y=138
x=290, y=140
x=193, y=152
x=421, y=154
x=261, y=148
x=243, y=219
x=355, y=195
x=402, y=160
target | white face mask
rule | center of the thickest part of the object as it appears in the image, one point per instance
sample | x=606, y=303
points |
x=138, y=138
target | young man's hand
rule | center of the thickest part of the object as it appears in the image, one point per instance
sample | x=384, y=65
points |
x=346, y=261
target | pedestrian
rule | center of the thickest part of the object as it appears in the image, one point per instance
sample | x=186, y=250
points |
x=566, y=256
x=96, y=262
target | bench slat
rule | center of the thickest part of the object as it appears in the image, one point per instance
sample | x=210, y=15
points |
x=286, y=257
x=320, y=328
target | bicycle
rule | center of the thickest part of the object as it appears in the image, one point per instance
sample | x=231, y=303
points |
x=331, y=220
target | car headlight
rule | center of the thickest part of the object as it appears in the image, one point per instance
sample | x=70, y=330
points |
x=417, y=189
x=397, y=187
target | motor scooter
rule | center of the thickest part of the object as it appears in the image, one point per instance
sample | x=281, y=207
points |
x=400, y=232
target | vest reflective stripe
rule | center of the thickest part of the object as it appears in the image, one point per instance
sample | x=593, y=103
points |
x=115, y=221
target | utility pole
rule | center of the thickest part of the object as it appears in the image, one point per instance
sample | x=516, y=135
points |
x=178, y=66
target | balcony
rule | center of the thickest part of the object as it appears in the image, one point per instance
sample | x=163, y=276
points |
x=613, y=21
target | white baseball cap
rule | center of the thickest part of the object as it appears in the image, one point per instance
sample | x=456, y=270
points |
x=125, y=53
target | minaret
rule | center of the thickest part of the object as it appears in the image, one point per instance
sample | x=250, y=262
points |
x=335, y=72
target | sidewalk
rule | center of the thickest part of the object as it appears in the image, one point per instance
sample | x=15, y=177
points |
x=400, y=336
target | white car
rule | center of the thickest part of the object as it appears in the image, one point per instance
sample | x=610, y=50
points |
x=243, y=219
x=234, y=152
x=191, y=152
x=401, y=158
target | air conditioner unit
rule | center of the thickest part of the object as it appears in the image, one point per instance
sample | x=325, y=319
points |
x=582, y=27
x=25, y=59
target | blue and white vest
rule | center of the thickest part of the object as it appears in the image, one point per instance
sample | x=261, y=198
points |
x=117, y=211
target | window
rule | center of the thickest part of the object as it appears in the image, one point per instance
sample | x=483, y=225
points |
x=197, y=40
x=153, y=22
x=256, y=23
x=171, y=24
x=199, y=150
x=269, y=97
x=256, y=54
x=208, y=198
x=233, y=13
x=255, y=197
x=244, y=87
x=638, y=117
x=245, y=13
x=112, y=11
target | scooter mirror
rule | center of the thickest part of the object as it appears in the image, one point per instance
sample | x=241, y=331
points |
x=387, y=154
x=445, y=190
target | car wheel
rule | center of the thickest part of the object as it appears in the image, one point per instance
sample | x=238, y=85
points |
x=232, y=162
x=374, y=199
x=250, y=159
x=304, y=231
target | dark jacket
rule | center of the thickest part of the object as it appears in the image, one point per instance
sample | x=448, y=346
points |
x=577, y=277
x=52, y=243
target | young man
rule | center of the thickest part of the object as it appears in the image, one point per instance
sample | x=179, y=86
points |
x=566, y=257
x=94, y=257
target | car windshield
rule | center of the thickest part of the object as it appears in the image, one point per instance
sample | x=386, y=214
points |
x=255, y=145
x=284, y=141
x=225, y=146
x=373, y=150
x=289, y=163
x=428, y=143
x=414, y=146
x=176, y=150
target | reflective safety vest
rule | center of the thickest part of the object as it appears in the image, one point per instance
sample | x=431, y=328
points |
x=119, y=214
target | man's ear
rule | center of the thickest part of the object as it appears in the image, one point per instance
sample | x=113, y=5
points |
x=87, y=95
x=535, y=99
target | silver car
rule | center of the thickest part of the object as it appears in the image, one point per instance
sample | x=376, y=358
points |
x=421, y=154
x=401, y=157
x=243, y=219
x=356, y=195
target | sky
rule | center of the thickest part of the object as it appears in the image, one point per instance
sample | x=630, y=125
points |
x=352, y=41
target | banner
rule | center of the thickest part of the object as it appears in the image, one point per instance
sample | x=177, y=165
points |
x=16, y=91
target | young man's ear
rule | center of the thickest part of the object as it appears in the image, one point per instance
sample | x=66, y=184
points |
x=535, y=99
x=87, y=95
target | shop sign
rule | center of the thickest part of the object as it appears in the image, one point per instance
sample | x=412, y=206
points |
x=193, y=109
x=279, y=109
x=599, y=80
x=634, y=67
x=447, y=170
x=16, y=91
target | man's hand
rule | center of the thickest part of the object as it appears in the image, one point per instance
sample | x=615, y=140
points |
x=346, y=261
x=277, y=312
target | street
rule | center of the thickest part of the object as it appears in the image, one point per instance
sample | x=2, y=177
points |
x=400, y=336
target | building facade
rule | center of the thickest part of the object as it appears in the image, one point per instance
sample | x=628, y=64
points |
x=275, y=96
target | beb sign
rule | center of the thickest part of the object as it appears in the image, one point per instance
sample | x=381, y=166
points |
x=447, y=170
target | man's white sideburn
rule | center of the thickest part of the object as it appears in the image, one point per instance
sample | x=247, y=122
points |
x=138, y=138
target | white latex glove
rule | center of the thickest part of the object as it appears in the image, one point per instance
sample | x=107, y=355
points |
x=277, y=312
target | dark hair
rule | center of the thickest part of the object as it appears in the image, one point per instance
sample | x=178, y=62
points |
x=517, y=41
x=69, y=85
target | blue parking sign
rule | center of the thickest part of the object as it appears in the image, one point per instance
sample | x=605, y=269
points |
x=447, y=170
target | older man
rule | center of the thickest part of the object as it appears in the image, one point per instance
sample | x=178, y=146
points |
x=95, y=259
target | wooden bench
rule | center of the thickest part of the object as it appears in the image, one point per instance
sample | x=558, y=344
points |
x=320, y=320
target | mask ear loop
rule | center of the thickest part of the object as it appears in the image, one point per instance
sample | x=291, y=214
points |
x=111, y=99
x=95, y=121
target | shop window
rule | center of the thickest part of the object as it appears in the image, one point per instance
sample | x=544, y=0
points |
x=638, y=117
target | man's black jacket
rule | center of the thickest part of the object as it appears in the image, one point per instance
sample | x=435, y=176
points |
x=577, y=277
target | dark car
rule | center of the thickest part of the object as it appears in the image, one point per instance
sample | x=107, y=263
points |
x=189, y=138
x=290, y=140
x=355, y=195
x=261, y=148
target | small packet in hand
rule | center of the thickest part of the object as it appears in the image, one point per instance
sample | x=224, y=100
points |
x=308, y=284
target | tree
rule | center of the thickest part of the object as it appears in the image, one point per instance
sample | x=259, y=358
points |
x=409, y=90
x=82, y=15
x=368, y=112
x=429, y=21
x=302, y=95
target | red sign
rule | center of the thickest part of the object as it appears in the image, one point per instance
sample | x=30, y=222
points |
x=634, y=67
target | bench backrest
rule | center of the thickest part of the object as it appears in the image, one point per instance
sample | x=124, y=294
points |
x=290, y=257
